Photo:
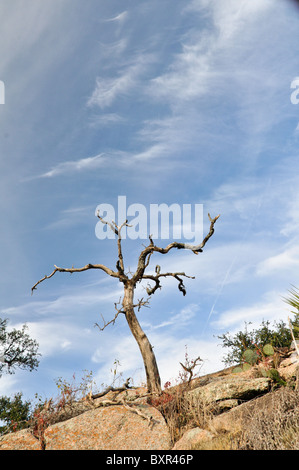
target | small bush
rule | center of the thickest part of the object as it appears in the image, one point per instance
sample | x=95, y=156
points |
x=14, y=412
x=278, y=336
x=66, y=405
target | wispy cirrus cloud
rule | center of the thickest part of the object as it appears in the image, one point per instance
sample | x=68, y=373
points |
x=120, y=18
x=108, y=89
x=67, y=303
x=106, y=120
x=285, y=262
x=71, y=217
x=271, y=308
x=69, y=167
x=121, y=159
x=199, y=67
x=177, y=320
x=34, y=25
x=210, y=68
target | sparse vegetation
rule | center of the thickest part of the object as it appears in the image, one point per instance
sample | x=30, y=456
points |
x=278, y=336
x=179, y=411
x=14, y=413
x=274, y=426
x=17, y=349
x=270, y=424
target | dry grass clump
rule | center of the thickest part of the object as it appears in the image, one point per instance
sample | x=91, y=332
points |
x=222, y=441
x=275, y=425
x=182, y=413
x=270, y=425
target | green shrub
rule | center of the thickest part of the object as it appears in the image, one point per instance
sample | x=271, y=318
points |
x=277, y=336
x=14, y=413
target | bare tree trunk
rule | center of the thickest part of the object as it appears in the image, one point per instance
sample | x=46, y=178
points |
x=149, y=360
x=148, y=356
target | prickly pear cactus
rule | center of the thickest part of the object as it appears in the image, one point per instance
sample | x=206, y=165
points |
x=264, y=372
x=250, y=356
x=268, y=350
x=246, y=366
x=237, y=369
x=274, y=375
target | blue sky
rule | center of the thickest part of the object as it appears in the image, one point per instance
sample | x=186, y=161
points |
x=184, y=102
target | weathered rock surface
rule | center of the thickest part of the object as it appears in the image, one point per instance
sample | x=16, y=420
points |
x=111, y=428
x=236, y=418
x=289, y=368
x=105, y=428
x=21, y=440
x=94, y=425
x=193, y=437
x=235, y=386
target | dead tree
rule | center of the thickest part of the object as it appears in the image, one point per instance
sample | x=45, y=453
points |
x=130, y=281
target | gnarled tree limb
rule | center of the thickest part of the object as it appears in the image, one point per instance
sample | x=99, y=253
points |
x=128, y=304
x=118, y=311
x=117, y=230
x=77, y=270
x=155, y=278
x=143, y=260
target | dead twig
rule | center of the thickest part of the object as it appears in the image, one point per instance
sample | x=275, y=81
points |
x=156, y=278
x=118, y=311
x=293, y=337
x=190, y=369
x=125, y=386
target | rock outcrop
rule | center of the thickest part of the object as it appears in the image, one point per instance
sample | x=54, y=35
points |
x=192, y=437
x=111, y=428
x=21, y=440
x=235, y=388
x=133, y=424
x=104, y=428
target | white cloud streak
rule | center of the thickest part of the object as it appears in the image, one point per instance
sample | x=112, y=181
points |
x=71, y=217
x=120, y=18
x=198, y=68
x=271, y=308
x=69, y=167
x=106, y=120
x=177, y=321
x=108, y=89
x=285, y=262
x=72, y=302
x=216, y=65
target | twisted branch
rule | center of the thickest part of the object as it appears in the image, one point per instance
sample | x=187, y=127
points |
x=117, y=230
x=77, y=270
x=118, y=311
x=156, y=279
x=143, y=262
x=148, y=251
x=191, y=368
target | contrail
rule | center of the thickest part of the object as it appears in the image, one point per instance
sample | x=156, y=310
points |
x=236, y=256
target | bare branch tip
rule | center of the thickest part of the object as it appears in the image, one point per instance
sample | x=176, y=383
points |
x=215, y=218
